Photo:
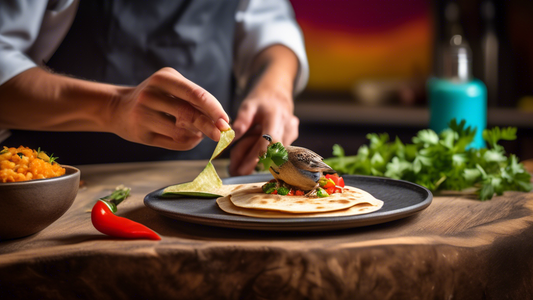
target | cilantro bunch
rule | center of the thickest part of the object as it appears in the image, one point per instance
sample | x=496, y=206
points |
x=440, y=161
x=276, y=154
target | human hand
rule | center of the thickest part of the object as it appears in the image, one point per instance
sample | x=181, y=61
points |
x=167, y=110
x=267, y=110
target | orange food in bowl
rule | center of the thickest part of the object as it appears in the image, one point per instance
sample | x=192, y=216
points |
x=23, y=163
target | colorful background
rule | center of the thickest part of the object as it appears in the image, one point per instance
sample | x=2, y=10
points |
x=348, y=41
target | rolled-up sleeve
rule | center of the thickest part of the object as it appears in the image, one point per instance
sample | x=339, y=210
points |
x=263, y=23
x=30, y=32
x=20, y=22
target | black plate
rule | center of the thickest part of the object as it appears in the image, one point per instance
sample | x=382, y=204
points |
x=401, y=199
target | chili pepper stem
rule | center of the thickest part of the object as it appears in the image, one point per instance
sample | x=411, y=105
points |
x=114, y=199
x=112, y=207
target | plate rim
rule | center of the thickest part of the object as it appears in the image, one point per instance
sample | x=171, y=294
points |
x=297, y=224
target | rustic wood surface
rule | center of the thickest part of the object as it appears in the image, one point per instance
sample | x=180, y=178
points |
x=458, y=248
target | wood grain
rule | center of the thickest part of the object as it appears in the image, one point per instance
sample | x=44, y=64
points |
x=458, y=248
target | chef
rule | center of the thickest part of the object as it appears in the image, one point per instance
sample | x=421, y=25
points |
x=132, y=80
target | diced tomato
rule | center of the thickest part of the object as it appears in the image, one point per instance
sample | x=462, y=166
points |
x=291, y=193
x=299, y=193
x=329, y=183
x=340, y=182
x=335, y=178
x=330, y=190
x=275, y=192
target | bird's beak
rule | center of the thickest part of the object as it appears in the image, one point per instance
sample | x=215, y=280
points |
x=268, y=138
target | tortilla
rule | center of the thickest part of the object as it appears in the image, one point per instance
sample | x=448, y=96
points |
x=251, y=196
x=227, y=189
x=207, y=184
x=361, y=208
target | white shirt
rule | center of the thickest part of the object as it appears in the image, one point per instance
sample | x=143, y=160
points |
x=32, y=30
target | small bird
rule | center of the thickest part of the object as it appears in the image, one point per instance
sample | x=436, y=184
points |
x=302, y=170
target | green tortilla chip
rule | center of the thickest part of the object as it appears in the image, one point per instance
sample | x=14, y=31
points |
x=207, y=183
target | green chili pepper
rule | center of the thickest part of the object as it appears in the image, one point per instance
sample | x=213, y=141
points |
x=321, y=193
x=283, y=191
x=269, y=187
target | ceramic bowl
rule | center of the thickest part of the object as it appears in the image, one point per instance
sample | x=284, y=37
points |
x=27, y=207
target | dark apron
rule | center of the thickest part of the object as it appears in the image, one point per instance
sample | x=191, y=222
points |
x=124, y=42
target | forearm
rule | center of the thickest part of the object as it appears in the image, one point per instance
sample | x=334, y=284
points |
x=39, y=100
x=267, y=109
x=275, y=70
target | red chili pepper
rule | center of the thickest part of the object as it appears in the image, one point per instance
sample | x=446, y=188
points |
x=104, y=219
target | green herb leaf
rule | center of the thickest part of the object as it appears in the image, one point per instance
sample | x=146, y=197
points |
x=276, y=154
x=53, y=159
x=338, y=150
x=427, y=137
x=440, y=161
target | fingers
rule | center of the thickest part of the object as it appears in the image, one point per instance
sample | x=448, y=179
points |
x=160, y=130
x=167, y=110
x=172, y=82
x=244, y=155
x=187, y=141
x=254, y=119
x=281, y=126
x=291, y=130
x=244, y=119
x=242, y=158
x=186, y=116
x=222, y=124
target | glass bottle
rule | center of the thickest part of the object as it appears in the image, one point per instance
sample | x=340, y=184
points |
x=455, y=94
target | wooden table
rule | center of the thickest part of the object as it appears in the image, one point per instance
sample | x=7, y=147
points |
x=458, y=248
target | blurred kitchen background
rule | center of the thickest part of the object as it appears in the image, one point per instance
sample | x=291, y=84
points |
x=370, y=61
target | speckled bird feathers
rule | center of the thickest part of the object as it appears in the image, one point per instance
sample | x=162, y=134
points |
x=308, y=160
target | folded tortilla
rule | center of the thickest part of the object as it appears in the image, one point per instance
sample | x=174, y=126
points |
x=249, y=200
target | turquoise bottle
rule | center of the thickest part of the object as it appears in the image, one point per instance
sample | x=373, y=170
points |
x=456, y=95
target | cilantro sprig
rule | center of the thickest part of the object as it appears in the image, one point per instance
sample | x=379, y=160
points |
x=44, y=156
x=440, y=161
x=276, y=154
x=53, y=159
